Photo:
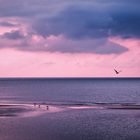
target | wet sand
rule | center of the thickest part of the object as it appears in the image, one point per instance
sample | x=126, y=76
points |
x=26, y=110
x=30, y=110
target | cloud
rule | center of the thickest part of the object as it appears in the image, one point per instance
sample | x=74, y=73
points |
x=7, y=24
x=86, y=26
x=74, y=23
x=78, y=19
x=60, y=44
x=98, y=46
x=92, y=22
x=13, y=35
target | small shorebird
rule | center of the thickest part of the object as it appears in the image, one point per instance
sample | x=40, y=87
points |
x=39, y=106
x=47, y=107
x=117, y=72
x=35, y=104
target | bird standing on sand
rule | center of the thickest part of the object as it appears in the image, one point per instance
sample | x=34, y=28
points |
x=34, y=104
x=117, y=72
x=47, y=107
x=39, y=106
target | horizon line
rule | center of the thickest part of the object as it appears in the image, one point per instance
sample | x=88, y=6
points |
x=67, y=77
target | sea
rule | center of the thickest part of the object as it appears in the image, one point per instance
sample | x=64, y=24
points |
x=70, y=90
x=75, y=121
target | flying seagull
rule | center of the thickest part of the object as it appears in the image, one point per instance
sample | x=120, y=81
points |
x=117, y=72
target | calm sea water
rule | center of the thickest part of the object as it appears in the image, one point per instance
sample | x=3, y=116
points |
x=74, y=90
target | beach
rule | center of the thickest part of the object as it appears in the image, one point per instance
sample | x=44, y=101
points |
x=37, y=109
x=77, y=122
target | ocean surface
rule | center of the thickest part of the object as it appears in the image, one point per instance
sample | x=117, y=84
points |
x=71, y=90
x=76, y=121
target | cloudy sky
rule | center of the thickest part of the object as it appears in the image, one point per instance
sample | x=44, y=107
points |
x=69, y=38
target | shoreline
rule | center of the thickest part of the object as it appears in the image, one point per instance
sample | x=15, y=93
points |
x=30, y=110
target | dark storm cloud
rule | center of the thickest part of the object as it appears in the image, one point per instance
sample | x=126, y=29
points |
x=75, y=23
x=79, y=22
x=79, y=18
x=13, y=35
x=126, y=21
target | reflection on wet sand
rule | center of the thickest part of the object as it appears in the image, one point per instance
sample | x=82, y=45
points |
x=30, y=110
x=26, y=110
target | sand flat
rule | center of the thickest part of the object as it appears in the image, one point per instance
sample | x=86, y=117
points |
x=30, y=110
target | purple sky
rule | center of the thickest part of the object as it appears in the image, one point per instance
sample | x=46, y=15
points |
x=58, y=38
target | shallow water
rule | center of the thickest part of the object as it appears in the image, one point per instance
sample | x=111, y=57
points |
x=75, y=124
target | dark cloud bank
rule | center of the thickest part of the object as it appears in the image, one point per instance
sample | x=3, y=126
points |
x=92, y=21
x=79, y=20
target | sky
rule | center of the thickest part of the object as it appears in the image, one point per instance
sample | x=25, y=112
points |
x=69, y=38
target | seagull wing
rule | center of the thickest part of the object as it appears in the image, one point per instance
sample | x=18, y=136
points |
x=116, y=71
